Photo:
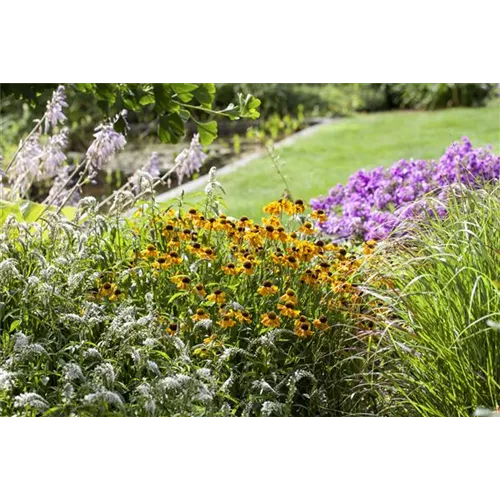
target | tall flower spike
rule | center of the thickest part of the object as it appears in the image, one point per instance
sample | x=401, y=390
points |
x=106, y=143
x=52, y=155
x=54, y=111
x=190, y=160
x=26, y=167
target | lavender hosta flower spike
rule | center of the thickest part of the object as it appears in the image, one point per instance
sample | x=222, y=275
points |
x=106, y=143
x=52, y=155
x=54, y=111
x=26, y=167
x=153, y=165
x=58, y=195
x=190, y=160
x=374, y=203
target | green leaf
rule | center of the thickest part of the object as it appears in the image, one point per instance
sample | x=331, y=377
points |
x=205, y=94
x=147, y=99
x=170, y=128
x=207, y=131
x=184, y=90
x=14, y=325
x=7, y=208
x=163, y=98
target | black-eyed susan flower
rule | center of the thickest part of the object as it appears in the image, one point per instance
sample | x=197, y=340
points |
x=194, y=249
x=107, y=289
x=116, y=295
x=172, y=328
x=200, y=315
x=270, y=320
x=290, y=261
x=319, y=215
x=288, y=310
x=162, y=262
x=289, y=296
x=208, y=253
x=301, y=319
x=282, y=235
x=199, y=290
x=230, y=269
x=243, y=316
x=273, y=208
x=321, y=323
x=217, y=296
x=226, y=321
x=306, y=228
x=271, y=221
x=309, y=277
x=175, y=258
x=182, y=282
x=303, y=330
x=298, y=207
x=248, y=267
x=267, y=288
x=150, y=251
x=369, y=247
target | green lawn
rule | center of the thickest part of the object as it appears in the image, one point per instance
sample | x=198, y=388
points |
x=313, y=164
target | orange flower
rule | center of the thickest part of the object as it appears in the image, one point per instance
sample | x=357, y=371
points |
x=243, y=316
x=248, y=267
x=200, y=290
x=200, y=314
x=226, y=321
x=175, y=258
x=289, y=296
x=267, y=288
x=288, y=310
x=172, y=328
x=306, y=228
x=303, y=330
x=217, y=296
x=321, y=323
x=230, y=269
x=270, y=320
x=319, y=215
x=182, y=282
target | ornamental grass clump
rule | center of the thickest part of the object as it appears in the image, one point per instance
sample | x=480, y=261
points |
x=376, y=203
x=439, y=350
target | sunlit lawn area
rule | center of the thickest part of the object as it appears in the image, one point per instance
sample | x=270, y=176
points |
x=313, y=164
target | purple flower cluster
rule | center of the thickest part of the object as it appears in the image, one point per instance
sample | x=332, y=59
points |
x=374, y=203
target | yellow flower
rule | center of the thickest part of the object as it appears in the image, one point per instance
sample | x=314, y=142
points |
x=200, y=290
x=306, y=228
x=273, y=208
x=117, y=295
x=243, y=316
x=162, y=262
x=182, y=282
x=303, y=330
x=107, y=289
x=319, y=215
x=248, y=267
x=369, y=246
x=244, y=222
x=200, y=315
x=270, y=232
x=208, y=253
x=230, y=269
x=172, y=328
x=290, y=261
x=321, y=323
x=227, y=321
x=271, y=221
x=282, y=236
x=270, y=320
x=288, y=310
x=297, y=208
x=150, y=251
x=218, y=296
x=289, y=296
x=174, y=258
x=195, y=249
x=301, y=319
x=309, y=277
x=267, y=288
x=209, y=340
